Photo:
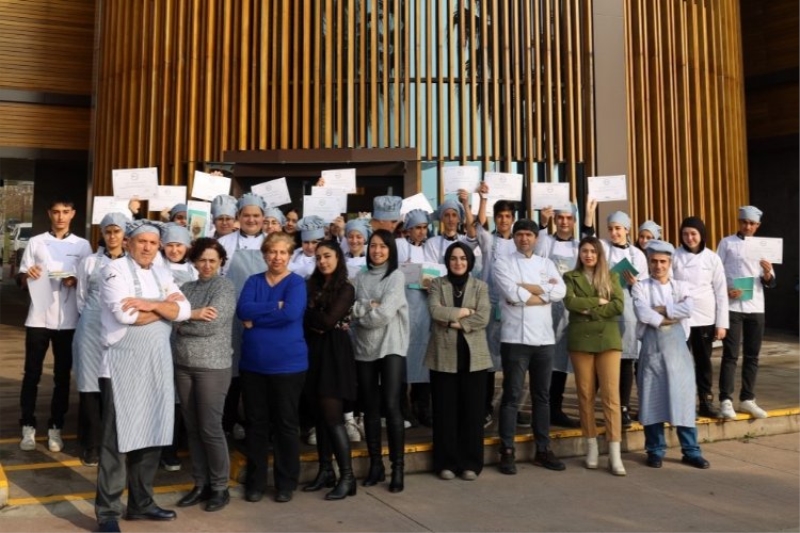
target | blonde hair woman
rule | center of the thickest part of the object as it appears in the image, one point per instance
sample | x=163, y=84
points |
x=594, y=300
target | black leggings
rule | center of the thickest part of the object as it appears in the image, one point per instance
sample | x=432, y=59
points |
x=379, y=384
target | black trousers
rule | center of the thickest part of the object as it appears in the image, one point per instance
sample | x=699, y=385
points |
x=380, y=384
x=90, y=422
x=37, y=341
x=458, y=413
x=747, y=330
x=701, y=342
x=271, y=405
x=136, y=469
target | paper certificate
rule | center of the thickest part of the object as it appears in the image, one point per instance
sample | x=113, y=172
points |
x=417, y=201
x=419, y=275
x=200, y=221
x=555, y=195
x=322, y=206
x=41, y=291
x=504, y=186
x=275, y=192
x=339, y=195
x=103, y=205
x=343, y=178
x=475, y=204
x=207, y=187
x=608, y=188
x=767, y=248
x=167, y=196
x=461, y=177
x=139, y=183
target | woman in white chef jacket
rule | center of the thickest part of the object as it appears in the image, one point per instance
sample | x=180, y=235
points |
x=312, y=230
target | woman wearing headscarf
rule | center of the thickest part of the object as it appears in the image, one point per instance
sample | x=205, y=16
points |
x=458, y=357
x=618, y=249
x=87, y=345
x=702, y=269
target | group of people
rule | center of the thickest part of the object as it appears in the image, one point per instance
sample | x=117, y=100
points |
x=305, y=322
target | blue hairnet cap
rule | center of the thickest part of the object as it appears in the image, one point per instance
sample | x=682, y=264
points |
x=223, y=205
x=415, y=217
x=655, y=246
x=312, y=228
x=114, y=219
x=249, y=198
x=274, y=212
x=177, y=208
x=143, y=226
x=621, y=218
x=449, y=204
x=176, y=233
x=750, y=212
x=652, y=227
x=358, y=225
x=571, y=210
x=386, y=207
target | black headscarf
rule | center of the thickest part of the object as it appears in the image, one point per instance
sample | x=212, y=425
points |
x=696, y=223
x=459, y=280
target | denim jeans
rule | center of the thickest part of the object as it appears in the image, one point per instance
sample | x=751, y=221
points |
x=746, y=329
x=537, y=362
x=656, y=444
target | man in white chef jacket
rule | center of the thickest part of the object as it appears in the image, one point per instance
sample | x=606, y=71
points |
x=140, y=301
x=48, y=269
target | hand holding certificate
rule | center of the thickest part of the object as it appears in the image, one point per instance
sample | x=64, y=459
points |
x=275, y=192
x=103, y=205
x=555, y=195
x=503, y=185
x=322, y=206
x=417, y=201
x=207, y=187
x=608, y=188
x=343, y=178
x=461, y=177
x=141, y=183
x=339, y=195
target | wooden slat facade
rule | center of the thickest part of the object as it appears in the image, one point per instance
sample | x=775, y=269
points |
x=687, y=149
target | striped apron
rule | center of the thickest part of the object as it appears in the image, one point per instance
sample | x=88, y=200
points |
x=564, y=263
x=87, y=344
x=140, y=365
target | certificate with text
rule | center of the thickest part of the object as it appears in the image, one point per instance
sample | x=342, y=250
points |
x=103, y=205
x=504, y=185
x=343, y=178
x=416, y=201
x=608, y=188
x=167, y=196
x=555, y=195
x=322, y=206
x=141, y=183
x=207, y=187
x=340, y=195
x=460, y=177
x=274, y=192
x=767, y=248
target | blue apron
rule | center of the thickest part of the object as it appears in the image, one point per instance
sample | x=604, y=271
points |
x=564, y=263
x=244, y=264
x=87, y=344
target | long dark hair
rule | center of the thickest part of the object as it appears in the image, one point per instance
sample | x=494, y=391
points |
x=322, y=291
x=388, y=240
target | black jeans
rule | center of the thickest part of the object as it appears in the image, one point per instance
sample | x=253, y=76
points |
x=37, y=341
x=379, y=386
x=271, y=405
x=701, y=342
x=746, y=329
x=90, y=423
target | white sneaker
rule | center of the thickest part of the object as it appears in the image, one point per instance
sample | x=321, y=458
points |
x=312, y=437
x=352, y=430
x=54, y=442
x=238, y=432
x=360, y=427
x=28, y=442
x=749, y=406
x=726, y=410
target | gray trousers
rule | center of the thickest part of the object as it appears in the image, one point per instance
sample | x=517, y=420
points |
x=202, y=392
x=136, y=469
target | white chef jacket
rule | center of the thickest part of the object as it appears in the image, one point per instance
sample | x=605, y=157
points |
x=615, y=254
x=435, y=247
x=493, y=248
x=704, y=272
x=301, y=264
x=53, y=255
x=118, y=283
x=675, y=296
x=238, y=241
x=737, y=265
x=523, y=324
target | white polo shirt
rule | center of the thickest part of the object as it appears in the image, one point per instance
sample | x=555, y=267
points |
x=60, y=311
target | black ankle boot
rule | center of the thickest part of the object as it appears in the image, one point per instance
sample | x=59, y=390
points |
x=377, y=473
x=396, y=484
x=326, y=478
x=340, y=443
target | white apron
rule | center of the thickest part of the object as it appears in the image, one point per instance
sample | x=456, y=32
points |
x=140, y=365
x=244, y=264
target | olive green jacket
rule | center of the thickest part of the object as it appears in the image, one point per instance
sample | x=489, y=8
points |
x=593, y=328
x=442, y=353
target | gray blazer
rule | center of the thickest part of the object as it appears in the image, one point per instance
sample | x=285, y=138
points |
x=441, y=355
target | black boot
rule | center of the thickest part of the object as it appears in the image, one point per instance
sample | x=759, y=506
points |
x=340, y=443
x=326, y=478
x=626, y=418
x=421, y=403
x=372, y=433
x=558, y=382
x=706, y=407
x=396, y=435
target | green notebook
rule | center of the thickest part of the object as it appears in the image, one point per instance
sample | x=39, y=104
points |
x=624, y=266
x=746, y=286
